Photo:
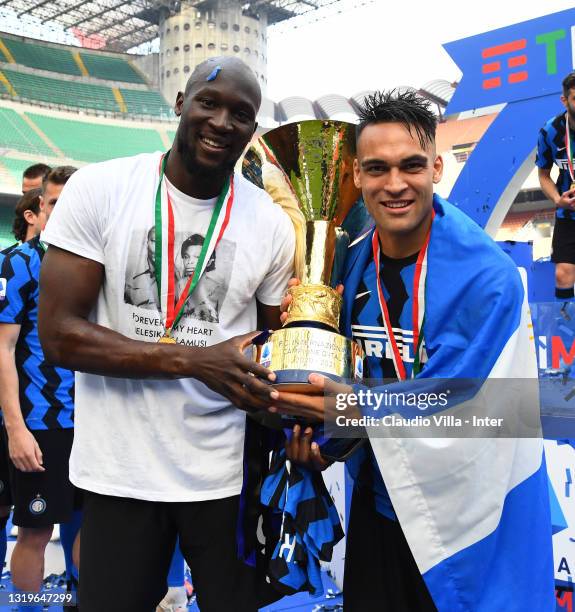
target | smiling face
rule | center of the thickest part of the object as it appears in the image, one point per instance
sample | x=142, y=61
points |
x=218, y=118
x=396, y=175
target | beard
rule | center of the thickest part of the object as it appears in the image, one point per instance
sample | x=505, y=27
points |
x=193, y=166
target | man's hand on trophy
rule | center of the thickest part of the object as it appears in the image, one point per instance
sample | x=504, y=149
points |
x=287, y=299
x=321, y=402
x=225, y=369
x=301, y=450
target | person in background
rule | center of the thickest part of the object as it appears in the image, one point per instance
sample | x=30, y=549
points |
x=37, y=405
x=33, y=176
x=28, y=222
x=556, y=146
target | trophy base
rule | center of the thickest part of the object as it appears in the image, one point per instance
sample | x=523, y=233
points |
x=294, y=353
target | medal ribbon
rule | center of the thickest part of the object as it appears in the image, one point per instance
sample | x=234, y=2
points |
x=568, y=149
x=165, y=233
x=418, y=306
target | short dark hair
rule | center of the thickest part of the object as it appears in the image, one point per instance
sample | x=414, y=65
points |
x=395, y=106
x=29, y=201
x=58, y=176
x=568, y=83
x=198, y=240
x=36, y=170
x=193, y=240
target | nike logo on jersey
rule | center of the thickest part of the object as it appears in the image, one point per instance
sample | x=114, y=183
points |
x=362, y=294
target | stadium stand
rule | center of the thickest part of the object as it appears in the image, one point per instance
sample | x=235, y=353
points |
x=143, y=102
x=110, y=68
x=15, y=167
x=42, y=57
x=59, y=91
x=16, y=134
x=92, y=142
x=6, y=218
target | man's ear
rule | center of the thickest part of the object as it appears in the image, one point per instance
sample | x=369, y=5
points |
x=437, y=168
x=179, y=103
x=29, y=216
x=356, y=180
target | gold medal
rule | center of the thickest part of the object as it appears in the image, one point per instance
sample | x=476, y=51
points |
x=167, y=339
x=572, y=186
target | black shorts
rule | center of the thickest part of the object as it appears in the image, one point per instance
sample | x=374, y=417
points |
x=45, y=498
x=134, y=539
x=563, y=243
x=5, y=490
x=380, y=571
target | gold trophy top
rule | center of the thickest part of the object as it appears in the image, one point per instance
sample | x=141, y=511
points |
x=314, y=161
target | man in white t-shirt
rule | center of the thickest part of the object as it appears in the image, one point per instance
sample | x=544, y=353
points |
x=159, y=441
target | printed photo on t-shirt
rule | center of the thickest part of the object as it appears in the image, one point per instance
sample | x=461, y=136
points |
x=207, y=299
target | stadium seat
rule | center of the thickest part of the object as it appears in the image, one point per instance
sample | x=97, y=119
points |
x=42, y=56
x=6, y=218
x=59, y=91
x=16, y=134
x=141, y=102
x=92, y=142
x=110, y=68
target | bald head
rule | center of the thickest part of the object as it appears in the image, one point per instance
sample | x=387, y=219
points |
x=224, y=66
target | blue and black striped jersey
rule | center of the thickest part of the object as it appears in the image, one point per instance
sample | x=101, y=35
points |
x=551, y=150
x=46, y=392
x=368, y=330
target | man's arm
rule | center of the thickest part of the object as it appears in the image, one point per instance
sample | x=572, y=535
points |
x=70, y=287
x=23, y=448
x=565, y=200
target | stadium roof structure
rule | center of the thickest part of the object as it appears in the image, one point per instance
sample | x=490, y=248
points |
x=120, y=25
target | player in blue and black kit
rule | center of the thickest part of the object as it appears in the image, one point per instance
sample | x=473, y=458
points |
x=37, y=401
x=552, y=149
x=28, y=221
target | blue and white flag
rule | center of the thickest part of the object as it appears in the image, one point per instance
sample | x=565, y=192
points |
x=475, y=511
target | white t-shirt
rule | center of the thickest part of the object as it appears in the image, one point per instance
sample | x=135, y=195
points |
x=165, y=440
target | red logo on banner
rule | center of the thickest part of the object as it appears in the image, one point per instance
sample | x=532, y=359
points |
x=564, y=599
x=559, y=353
x=515, y=61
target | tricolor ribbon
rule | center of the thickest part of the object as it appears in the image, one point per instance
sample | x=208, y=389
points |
x=172, y=311
x=418, y=306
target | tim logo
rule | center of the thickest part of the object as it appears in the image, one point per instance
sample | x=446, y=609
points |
x=507, y=62
x=2, y=289
x=514, y=58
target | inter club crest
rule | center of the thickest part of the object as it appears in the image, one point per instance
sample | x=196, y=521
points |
x=37, y=505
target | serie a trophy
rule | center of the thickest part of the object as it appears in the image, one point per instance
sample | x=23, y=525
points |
x=311, y=164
